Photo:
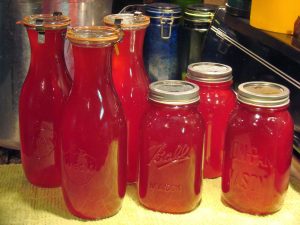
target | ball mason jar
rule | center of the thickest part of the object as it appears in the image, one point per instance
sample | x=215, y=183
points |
x=258, y=149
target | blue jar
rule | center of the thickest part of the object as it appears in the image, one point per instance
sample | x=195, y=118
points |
x=161, y=55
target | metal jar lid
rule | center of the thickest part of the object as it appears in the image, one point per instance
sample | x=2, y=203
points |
x=264, y=94
x=199, y=13
x=128, y=21
x=42, y=22
x=209, y=72
x=94, y=36
x=159, y=9
x=174, y=92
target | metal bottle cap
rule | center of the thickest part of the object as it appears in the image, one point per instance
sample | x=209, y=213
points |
x=209, y=72
x=129, y=21
x=174, y=92
x=264, y=94
x=94, y=36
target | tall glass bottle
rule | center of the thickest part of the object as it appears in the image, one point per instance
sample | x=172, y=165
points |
x=42, y=98
x=131, y=81
x=93, y=130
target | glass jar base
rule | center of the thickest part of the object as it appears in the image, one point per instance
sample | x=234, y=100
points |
x=171, y=211
x=248, y=210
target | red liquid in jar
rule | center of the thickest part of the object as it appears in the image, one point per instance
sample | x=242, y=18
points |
x=42, y=98
x=170, y=178
x=217, y=101
x=257, y=159
x=131, y=84
x=93, y=138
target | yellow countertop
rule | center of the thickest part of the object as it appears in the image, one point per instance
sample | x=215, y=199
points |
x=22, y=203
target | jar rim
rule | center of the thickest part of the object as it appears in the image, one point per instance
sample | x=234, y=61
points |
x=47, y=21
x=209, y=72
x=128, y=21
x=263, y=94
x=98, y=36
x=174, y=92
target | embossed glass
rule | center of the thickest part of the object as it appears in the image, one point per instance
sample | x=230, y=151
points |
x=170, y=178
x=93, y=130
x=42, y=98
x=258, y=149
x=131, y=81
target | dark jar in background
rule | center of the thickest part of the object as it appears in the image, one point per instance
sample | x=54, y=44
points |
x=239, y=8
x=196, y=22
x=170, y=177
x=42, y=98
x=130, y=80
x=161, y=55
x=184, y=3
x=258, y=149
x=217, y=102
x=93, y=129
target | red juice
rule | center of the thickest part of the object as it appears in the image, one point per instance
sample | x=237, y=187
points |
x=258, y=149
x=42, y=98
x=170, y=178
x=93, y=129
x=217, y=100
x=131, y=81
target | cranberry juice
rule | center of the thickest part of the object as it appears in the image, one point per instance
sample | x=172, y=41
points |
x=170, y=178
x=258, y=151
x=217, y=102
x=42, y=98
x=93, y=138
x=131, y=84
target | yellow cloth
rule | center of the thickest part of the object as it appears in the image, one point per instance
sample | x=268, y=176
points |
x=22, y=203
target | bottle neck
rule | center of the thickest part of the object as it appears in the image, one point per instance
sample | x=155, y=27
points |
x=48, y=46
x=92, y=66
x=132, y=44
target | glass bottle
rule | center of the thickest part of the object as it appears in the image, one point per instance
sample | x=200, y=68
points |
x=170, y=178
x=217, y=102
x=239, y=7
x=258, y=149
x=93, y=130
x=131, y=81
x=162, y=42
x=196, y=22
x=42, y=98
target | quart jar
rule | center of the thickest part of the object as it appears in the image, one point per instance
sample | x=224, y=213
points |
x=196, y=22
x=170, y=177
x=217, y=102
x=42, y=98
x=161, y=48
x=93, y=129
x=130, y=80
x=258, y=149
